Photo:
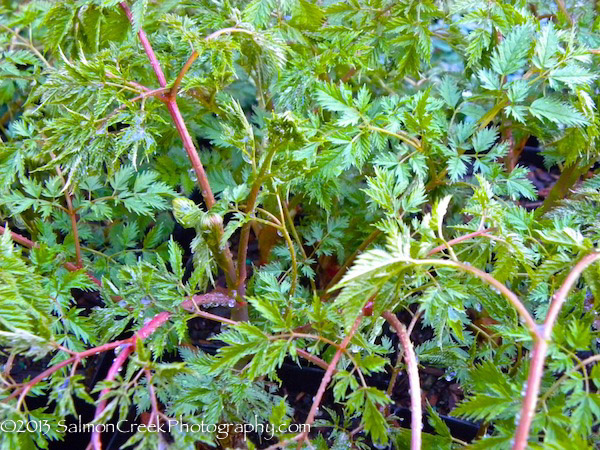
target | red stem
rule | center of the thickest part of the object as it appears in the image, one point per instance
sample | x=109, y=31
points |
x=147, y=48
x=188, y=144
x=142, y=334
x=192, y=153
x=330, y=370
x=174, y=90
x=413, y=379
x=487, y=278
x=460, y=239
x=112, y=374
x=19, y=239
x=72, y=216
x=79, y=356
x=30, y=244
x=312, y=358
x=536, y=369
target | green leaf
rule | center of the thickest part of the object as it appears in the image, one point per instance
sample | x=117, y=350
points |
x=512, y=52
x=268, y=310
x=546, y=48
x=449, y=92
x=556, y=111
x=572, y=75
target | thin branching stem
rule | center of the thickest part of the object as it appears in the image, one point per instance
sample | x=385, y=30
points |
x=410, y=358
x=489, y=279
x=581, y=365
x=536, y=369
x=312, y=414
x=460, y=239
x=27, y=44
x=175, y=88
x=72, y=215
x=241, y=310
x=399, y=135
x=186, y=67
x=290, y=245
x=30, y=244
x=242, y=272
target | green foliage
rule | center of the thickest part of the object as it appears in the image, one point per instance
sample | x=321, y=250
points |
x=349, y=140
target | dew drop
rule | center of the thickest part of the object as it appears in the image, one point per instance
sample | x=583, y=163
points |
x=119, y=349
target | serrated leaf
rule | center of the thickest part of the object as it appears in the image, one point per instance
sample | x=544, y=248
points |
x=556, y=111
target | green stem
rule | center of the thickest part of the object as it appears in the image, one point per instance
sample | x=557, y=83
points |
x=290, y=245
x=399, y=135
x=245, y=233
x=569, y=176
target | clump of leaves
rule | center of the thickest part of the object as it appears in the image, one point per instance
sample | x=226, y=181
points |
x=371, y=149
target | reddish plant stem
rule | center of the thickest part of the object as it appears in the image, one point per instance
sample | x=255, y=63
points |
x=322, y=387
x=487, y=278
x=536, y=370
x=460, y=239
x=78, y=357
x=72, y=216
x=147, y=48
x=413, y=379
x=241, y=310
x=312, y=358
x=153, y=400
x=175, y=89
x=188, y=144
x=117, y=364
x=95, y=440
x=19, y=238
x=30, y=244
x=329, y=372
